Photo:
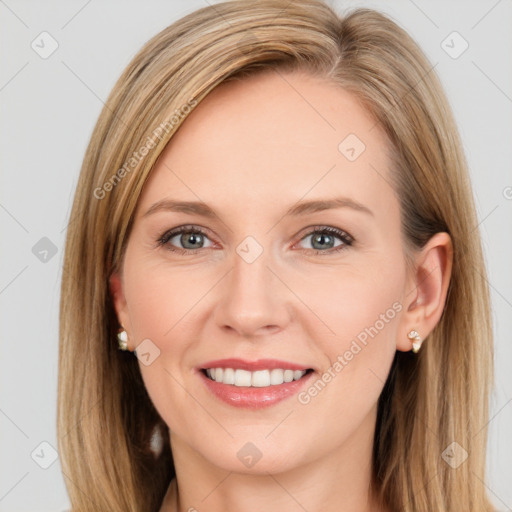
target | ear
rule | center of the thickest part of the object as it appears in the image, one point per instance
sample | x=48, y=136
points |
x=427, y=286
x=120, y=305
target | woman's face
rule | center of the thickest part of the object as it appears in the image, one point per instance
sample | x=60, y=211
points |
x=264, y=278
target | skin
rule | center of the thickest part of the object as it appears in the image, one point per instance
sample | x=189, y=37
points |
x=251, y=150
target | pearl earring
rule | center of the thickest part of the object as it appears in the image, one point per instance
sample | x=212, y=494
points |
x=417, y=341
x=122, y=339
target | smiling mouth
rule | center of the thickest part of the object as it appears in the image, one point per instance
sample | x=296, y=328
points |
x=256, y=379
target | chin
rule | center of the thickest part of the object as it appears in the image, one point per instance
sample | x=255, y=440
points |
x=258, y=456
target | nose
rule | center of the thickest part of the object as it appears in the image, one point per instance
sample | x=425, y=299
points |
x=254, y=300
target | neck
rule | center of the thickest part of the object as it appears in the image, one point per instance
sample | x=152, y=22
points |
x=338, y=481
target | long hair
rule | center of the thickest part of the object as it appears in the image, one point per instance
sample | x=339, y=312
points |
x=430, y=400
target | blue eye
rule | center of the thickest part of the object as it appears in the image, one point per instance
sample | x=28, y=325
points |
x=324, y=239
x=192, y=239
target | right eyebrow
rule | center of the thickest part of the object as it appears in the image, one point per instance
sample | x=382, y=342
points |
x=191, y=207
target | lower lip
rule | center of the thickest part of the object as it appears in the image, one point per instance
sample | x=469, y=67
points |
x=252, y=397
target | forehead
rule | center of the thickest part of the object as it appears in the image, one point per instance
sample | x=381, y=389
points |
x=271, y=139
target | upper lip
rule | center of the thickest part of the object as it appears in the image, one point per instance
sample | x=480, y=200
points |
x=252, y=366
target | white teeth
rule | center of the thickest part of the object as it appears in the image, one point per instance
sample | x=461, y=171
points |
x=257, y=379
x=276, y=377
x=260, y=378
x=242, y=378
x=297, y=374
x=229, y=376
x=288, y=375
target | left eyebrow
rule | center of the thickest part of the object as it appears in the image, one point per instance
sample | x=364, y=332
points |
x=305, y=207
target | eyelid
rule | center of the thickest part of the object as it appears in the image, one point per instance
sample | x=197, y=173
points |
x=318, y=228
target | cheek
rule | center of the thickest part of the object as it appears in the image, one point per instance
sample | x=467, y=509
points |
x=159, y=298
x=363, y=310
x=360, y=304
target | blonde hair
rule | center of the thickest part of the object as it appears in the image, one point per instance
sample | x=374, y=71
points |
x=430, y=400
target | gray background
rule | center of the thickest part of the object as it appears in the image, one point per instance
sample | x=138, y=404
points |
x=48, y=109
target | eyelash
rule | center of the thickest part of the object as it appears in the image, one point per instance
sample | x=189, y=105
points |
x=347, y=239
